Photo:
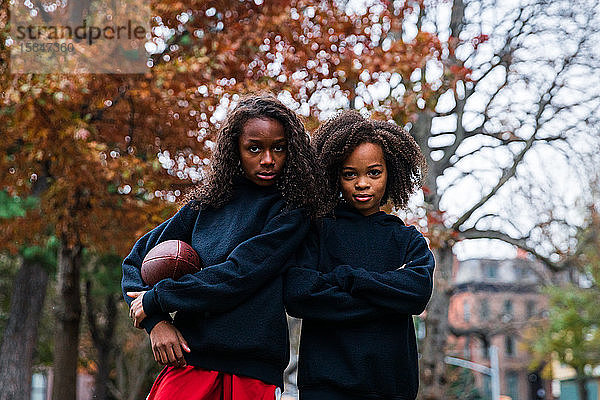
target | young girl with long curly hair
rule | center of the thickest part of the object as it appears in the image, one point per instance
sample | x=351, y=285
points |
x=229, y=335
x=362, y=275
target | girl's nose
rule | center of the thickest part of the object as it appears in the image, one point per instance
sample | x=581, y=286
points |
x=362, y=183
x=267, y=158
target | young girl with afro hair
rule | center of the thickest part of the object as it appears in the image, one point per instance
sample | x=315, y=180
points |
x=361, y=275
x=229, y=335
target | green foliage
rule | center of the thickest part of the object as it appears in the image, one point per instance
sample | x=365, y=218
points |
x=571, y=331
x=104, y=271
x=462, y=385
x=11, y=207
x=45, y=255
x=14, y=207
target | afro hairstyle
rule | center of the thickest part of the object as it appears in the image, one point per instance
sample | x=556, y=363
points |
x=300, y=178
x=335, y=140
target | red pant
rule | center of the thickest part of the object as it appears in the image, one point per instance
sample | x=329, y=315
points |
x=191, y=383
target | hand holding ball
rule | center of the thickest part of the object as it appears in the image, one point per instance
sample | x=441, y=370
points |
x=169, y=259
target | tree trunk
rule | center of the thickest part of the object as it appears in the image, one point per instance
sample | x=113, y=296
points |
x=434, y=382
x=101, y=384
x=133, y=365
x=102, y=337
x=68, y=315
x=20, y=336
x=433, y=368
x=582, y=388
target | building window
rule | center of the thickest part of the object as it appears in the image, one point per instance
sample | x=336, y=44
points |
x=523, y=273
x=490, y=270
x=467, y=348
x=512, y=385
x=485, y=350
x=530, y=309
x=484, y=310
x=467, y=311
x=509, y=346
x=507, y=308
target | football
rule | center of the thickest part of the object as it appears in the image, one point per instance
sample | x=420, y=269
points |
x=169, y=259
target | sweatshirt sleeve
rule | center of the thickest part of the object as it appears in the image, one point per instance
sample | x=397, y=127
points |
x=311, y=294
x=224, y=286
x=178, y=227
x=405, y=290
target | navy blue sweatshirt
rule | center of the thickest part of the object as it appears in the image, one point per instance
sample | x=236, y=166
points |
x=356, y=282
x=231, y=312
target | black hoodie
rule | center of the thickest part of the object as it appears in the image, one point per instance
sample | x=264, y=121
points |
x=231, y=313
x=356, y=282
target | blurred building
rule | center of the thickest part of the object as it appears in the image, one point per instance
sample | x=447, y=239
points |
x=570, y=391
x=493, y=303
x=565, y=385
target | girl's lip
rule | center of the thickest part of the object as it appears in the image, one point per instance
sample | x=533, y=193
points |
x=266, y=175
x=362, y=197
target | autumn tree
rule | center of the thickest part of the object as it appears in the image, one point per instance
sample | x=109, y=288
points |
x=108, y=147
x=102, y=296
x=29, y=287
x=97, y=195
x=99, y=143
x=104, y=149
x=97, y=187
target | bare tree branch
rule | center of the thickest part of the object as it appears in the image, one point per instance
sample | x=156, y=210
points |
x=544, y=101
x=506, y=175
x=473, y=233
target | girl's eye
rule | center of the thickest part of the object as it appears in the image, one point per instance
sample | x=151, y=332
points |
x=253, y=149
x=375, y=172
x=279, y=148
x=348, y=174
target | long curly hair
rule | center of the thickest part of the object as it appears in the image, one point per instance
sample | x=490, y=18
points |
x=335, y=140
x=299, y=180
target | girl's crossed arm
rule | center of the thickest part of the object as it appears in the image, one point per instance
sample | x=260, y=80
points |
x=312, y=294
x=178, y=227
x=405, y=290
x=223, y=286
